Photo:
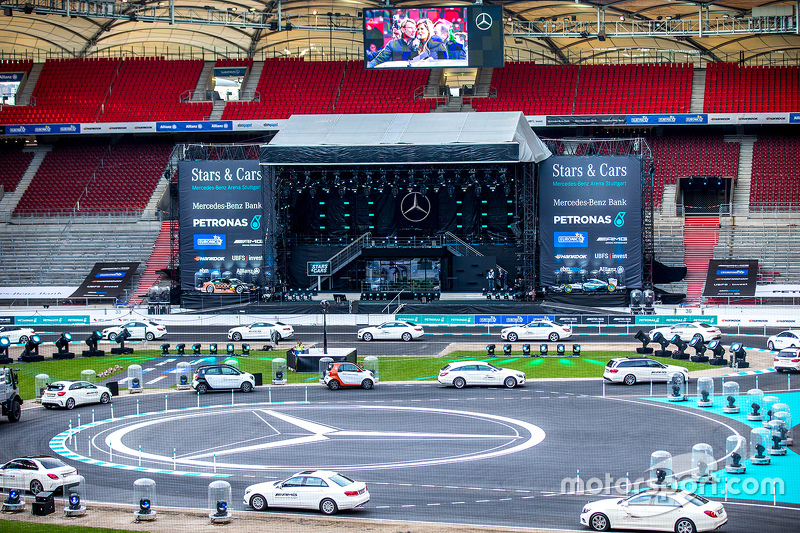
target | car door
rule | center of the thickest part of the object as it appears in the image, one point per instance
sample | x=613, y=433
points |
x=469, y=373
x=288, y=493
x=13, y=476
x=91, y=394
x=75, y=391
x=312, y=492
x=214, y=378
x=230, y=378
x=786, y=340
x=638, y=512
x=349, y=374
x=259, y=330
x=486, y=375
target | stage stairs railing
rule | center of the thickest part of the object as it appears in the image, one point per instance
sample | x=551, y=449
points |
x=347, y=254
x=399, y=307
x=458, y=246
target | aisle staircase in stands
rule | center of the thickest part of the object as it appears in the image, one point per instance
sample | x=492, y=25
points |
x=700, y=234
x=163, y=251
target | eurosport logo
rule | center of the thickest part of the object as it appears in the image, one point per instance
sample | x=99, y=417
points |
x=574, y=239
x=209, y=242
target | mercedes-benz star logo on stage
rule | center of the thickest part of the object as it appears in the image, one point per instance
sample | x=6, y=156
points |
x=483, y=21
x=415, y=207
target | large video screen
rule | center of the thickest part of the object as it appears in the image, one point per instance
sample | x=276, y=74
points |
x=428, y=37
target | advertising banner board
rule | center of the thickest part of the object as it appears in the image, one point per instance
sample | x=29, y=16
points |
x=728, y=277
x=106, y=280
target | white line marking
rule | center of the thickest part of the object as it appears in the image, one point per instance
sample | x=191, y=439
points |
x=153, y=381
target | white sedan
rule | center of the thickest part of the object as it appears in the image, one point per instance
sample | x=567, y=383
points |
x=314, y=489
x=538, y=330
x=462, y=373
x=787, y=360
x=35, y=473
x=397, y=330
x=261, y=330
x=16, y=335
x=687, y=330
x=785, y=339
x=680, y=511
x=68, y=394
x=146, y=329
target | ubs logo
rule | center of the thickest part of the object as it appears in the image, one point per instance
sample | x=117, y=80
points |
x=483, y=21
x=415, y=207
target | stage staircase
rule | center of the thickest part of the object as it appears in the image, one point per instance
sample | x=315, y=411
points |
x=458, y=247
x=163, y=252
x=700, y=234
x=343, y=257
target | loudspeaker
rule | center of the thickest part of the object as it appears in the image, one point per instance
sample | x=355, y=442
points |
x=28, y=9
x=113, y=386
x=601, y=36
x=44, y=504
x=258, y=378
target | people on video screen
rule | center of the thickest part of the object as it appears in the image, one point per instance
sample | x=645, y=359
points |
x=418, y=41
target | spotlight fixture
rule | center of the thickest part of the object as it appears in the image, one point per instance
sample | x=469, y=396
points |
x=13, y=497
x=222, y=508
x=212, y=348
x=490, y=349
x=245, y=349
x=62, y=343
x=560, y=349
x=664, y=342
x=576, y=349
x=526, y=350
x=681, y=345
x=91, y=343
x=506, y=349
x=5, y=343
x=542, y=349
x=738, y=355
x=718, y=350
x=699, y=349
x=196, y=348
x=31, y=352
x=642, y=337
x=181, y=348
x=165, y=348
x=120, y=339
x=144, y=506
x=74, y=501
x=230, y=349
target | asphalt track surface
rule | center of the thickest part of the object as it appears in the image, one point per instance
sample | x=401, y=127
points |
x=478, y=456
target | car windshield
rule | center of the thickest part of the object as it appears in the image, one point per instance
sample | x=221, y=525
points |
x=341, y=480
x=492, y=366
x=412, y=324
x=51, y=462
x=55, y=386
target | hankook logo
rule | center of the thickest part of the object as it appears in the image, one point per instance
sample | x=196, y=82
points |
x=415, y=207
x=483, y=21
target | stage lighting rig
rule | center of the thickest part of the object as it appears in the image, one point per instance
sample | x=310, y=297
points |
x=196, y=348
x=526, y=350
x=664, y=342
x=560, y=349
x=31, y=352
x=506, y=349
x=5, y=343
x=576, y=349
x=738, y=355
x=718, y=350
x=122, y=336
x=212, y=348
x=490, y=349
x=542, y=349
x=642, y=337
x=699, y=349
x=181, y=349
x=62, y=343
x=245, y=349
x=681, y=345
x=91, y=343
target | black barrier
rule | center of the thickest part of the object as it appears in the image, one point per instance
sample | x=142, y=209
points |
x=113, y=386
x=310, y=362
x=258, y=378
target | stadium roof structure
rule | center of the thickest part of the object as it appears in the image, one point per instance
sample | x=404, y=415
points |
x=405, y=138
x=562, y=32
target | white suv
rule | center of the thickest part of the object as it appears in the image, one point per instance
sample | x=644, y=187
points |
x=222, y=377
x=629, y=370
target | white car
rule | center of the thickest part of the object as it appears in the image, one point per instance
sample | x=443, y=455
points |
x=397, y=330
x=16, y=335
x=314, y=489
x=785, y=339
x=146, y=329
x=35, y=473
x=629, y=370
x=68, y=394
x=680, y=511
x=462, y=373
x=687, y=330
x=222, y=377
x=537, y=330
x=261, y=330
x=788, y=360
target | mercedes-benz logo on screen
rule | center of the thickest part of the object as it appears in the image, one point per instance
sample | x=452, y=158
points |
x=415, y=207
x=483, y=21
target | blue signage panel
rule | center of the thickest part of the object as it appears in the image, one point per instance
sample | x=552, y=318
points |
x=43, y=129
x=507, y=320
x=212, y=125
x=655, y=120
x=11, y=76
x=794, y=118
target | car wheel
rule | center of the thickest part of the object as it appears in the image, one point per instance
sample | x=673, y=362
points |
x=239, y=289
x=23, y=339
x=328, y=506
x=367, y=384
x=201, y=388
x=247, y=387
x=611, y=288
x=630, y=379
x=684, y=525
x=512, y=337
x=149, y=336
x=237, y=336
x=367, y=337
x=14, y=412
x=105, y=397
x=112, y=336
x=36, y=487
x=333, y=384
x=599, y=522
x=770, y=345
x=258, y=502
x=568, y=288
x=510, y=382
x=70, y=403
x=210, y=289
x=406, y=336
x=553, y=337
x=459, y=383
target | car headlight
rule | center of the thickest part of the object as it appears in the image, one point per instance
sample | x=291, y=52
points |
x=585, y=510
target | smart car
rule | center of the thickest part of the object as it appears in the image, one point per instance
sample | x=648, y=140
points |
x=785, y=339
x=222, y=377
x=680, y=511
x=462, y=373
x=325, y=490
x=629, y=370
x=144, y=329
x=227, y=285
x=687, y=330
x=35, y=473
x=396, y=330
x=537, y=330
x=787, y=360
x=16, y=335
x=261, y=330
x=347, y=374
x=68, y=394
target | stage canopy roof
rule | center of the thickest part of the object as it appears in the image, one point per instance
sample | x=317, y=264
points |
x=406, y=138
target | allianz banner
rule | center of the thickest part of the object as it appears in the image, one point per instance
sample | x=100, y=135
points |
x=590, y=218
x=221, y=232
